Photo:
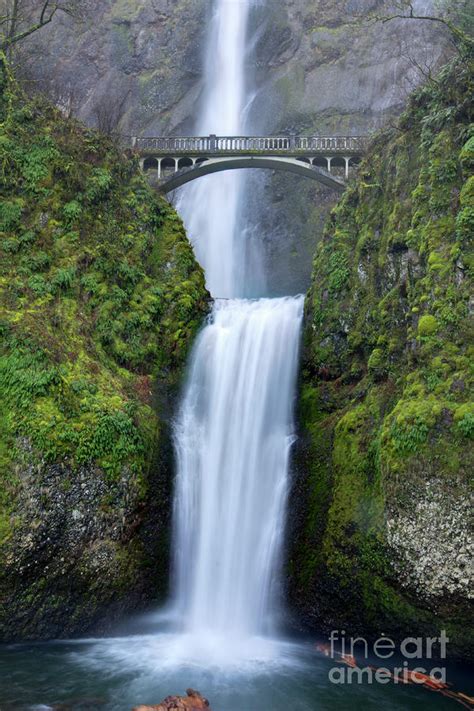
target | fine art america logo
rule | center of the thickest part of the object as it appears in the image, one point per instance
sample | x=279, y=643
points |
x=406, y=662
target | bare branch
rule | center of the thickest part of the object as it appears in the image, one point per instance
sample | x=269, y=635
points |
x=13, y=20
x=43, y=12
x=110, y=110
x=404, y=10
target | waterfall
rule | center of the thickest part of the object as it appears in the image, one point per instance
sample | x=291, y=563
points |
x=233, y=441
x=234, y=429
x=210, y=206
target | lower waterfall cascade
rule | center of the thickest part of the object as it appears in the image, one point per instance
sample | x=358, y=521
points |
x=233, y=437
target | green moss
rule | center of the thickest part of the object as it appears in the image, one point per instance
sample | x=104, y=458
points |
x=386, y=373
x=377, y=364
x=427, y=325
x=88, y=312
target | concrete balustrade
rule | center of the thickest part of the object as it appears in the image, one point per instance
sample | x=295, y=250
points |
x=218, y=144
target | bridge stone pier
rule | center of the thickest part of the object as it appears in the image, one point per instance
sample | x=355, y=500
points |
x=174, y=161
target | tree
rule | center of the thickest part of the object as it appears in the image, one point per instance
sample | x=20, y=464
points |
x=457, y=16
x=20, y=18
x=110, y=110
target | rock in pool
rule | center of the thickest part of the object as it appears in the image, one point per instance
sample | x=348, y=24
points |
x=193, y=701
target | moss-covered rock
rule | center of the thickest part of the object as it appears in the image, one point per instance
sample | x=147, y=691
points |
x=100, y=297
x=379, y=513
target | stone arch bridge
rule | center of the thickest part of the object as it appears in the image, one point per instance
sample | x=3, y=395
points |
x=175, y=161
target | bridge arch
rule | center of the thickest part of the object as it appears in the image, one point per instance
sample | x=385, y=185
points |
x=185, y=163
x=150, y=163
x=168, y=164
x=208, y=166
x=320, y=162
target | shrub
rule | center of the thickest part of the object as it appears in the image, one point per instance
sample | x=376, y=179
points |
x=63, y=279
x=377, y=364
x=467, y=155
x=466, y=425
x=72, y=210
x=99, y=184
x=427, y=325
x=38, y=285
x=464, y=419
x=338, y=271
x=411, y=423
x=10, y=213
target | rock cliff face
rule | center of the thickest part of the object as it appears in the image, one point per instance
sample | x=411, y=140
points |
x=322, y=68
x=310, y=67
x=137, y=60
x=100, y=297
x=315, y=66
x=379, y=539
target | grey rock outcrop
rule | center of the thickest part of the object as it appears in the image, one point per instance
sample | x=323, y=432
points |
x=438, y=514
x=80, y=554
x=144, y=55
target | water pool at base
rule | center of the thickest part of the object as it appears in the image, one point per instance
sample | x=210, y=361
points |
x=116, y=674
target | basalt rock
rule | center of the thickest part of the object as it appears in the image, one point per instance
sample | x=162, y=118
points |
x=193, y=701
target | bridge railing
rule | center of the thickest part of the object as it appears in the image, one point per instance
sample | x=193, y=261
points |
x=222, y=144
x=319, y=144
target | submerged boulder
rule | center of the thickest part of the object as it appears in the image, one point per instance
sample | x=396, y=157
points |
x=193, y=701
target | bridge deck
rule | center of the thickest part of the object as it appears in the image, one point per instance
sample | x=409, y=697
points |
x=248, y=145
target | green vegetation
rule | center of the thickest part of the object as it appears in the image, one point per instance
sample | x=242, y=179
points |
x=388, y=366
x=98, y=289
x=100, y=297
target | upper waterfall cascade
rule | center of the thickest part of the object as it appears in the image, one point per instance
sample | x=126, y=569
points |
x=210, y=208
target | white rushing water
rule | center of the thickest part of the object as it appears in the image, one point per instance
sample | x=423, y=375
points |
x=235, y=427
x=210, y=206
x=233, y=440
